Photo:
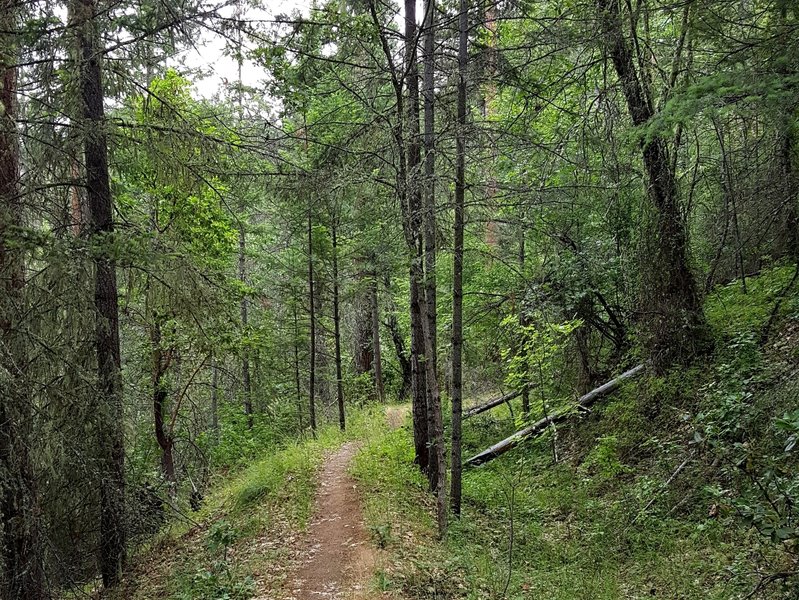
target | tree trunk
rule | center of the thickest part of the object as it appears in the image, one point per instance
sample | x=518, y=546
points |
x=429, y=224
x=245, y=359
x=677, y=329
x=402, y=355
x=525, y=391
x=428, y=93
x=457, y=263
x=160, y=365
x=106, y=302
x=414, y=239
x=540, y=426
x=337, y=326
x=215, y=398
x=789, y=153
x=21, y=574
x=312, y=309
x=378, y=362
x=297, y=386
x=418, y=379
x=481, y=408
x=437, y=462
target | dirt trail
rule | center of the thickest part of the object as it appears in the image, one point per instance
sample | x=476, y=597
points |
x=338, y=558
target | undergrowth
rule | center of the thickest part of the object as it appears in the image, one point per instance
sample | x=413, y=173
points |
x=679, y=486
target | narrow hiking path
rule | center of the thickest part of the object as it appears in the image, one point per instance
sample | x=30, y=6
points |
x=338, y=559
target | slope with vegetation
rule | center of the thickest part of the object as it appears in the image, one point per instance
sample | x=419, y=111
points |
x=202, y=296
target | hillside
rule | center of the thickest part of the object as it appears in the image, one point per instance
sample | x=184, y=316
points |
x=412, y=299
x=680, y=486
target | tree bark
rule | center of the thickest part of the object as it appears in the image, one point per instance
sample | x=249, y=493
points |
x=402, y=355
x=677, y=329
x=457, y=266
x=412, y=228
x=789, y=153
x=246, y=382
x=418, y=379
x=429, y=224
x=160, y=365
x=437, y=462
x=21, y=573
x=297, y=368
x=337, y=333
x=428, y=93
x=312, y=309
x=106, y=302
x=363, y=357
x=378, y=362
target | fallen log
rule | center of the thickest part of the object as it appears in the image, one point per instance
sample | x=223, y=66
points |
x=476, y=410
x=584, y=402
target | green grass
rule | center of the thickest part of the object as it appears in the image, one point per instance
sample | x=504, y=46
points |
x=572, y=534
x=731, y=312
x=602, y=523
x=246, y=519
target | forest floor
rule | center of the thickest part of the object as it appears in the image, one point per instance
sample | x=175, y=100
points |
x=617, y=504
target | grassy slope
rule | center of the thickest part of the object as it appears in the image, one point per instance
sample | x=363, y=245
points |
x=584, y=527
x=243, y=538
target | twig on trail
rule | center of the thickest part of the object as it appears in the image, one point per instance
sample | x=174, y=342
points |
x=767, y=579
x=511, y=496
x=777, y=305
x=677, y=471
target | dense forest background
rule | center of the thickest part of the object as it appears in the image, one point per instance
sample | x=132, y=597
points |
x=437, y=205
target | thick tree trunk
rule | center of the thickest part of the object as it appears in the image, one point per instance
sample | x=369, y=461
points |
x=312, y=349
x=21, y=574
x=457, y=263
x=337, y=334
x=677, y=329
x=377, y=366
x=106, y=302
x=246, y=382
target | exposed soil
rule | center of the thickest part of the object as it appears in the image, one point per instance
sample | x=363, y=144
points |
x=395, y=415
x=338, y=559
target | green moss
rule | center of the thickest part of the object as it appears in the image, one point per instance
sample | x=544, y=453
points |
x=731, y=311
